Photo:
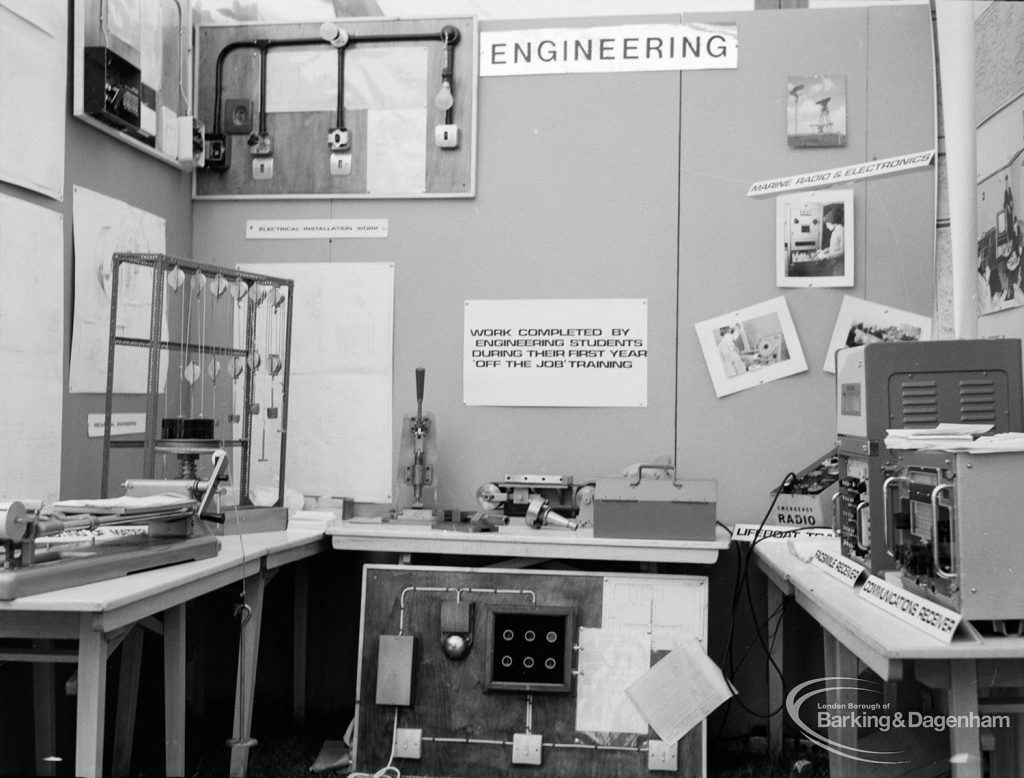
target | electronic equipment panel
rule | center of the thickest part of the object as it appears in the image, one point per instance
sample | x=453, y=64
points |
x=959, y=521
x=894, y=385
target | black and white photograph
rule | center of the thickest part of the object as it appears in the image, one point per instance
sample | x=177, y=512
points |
x=751, y=346
x=861, y=322
x=816, y=115
x=815, y=238
x=1000, y=236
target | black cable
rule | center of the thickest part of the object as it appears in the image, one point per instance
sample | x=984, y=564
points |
x=741, y=591
x=341, y=88
x=265, y=45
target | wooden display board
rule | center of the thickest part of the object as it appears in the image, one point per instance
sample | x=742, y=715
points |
x=466, y=729
x=281, y=82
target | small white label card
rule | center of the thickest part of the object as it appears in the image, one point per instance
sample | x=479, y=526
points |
x=837, y=567
x=292, y=229
x=747, y=533
x=925, y=615
x=120, y=424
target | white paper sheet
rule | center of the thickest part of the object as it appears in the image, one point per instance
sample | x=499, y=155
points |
x=672, y=611
x=375, y=78
x=339, y=408
x=33, y=60
x=104, y=225
x=610, y=660
x=680, y=691
x=555, y=353
x=31, y=348
x=397, y=156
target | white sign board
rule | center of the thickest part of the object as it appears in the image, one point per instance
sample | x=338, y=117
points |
x=838, y=567
x=339, y=413
x=749, y=533
x=925, y=615
x=622, y=48
x=557, y=353
x=841, y=175
x=292, y=229
x=120, y=424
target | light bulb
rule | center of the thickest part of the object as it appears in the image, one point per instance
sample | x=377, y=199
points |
x=444, y=99
x=333, y=34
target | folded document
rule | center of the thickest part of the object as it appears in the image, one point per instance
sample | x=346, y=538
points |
x=969, y=438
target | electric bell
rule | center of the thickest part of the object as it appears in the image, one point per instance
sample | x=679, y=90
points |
x=456, y=628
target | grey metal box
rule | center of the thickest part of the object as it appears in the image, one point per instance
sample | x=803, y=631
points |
x=659, y=509
x=394, y=670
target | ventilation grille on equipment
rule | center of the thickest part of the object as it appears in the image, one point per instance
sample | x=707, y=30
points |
x=925, y=401
x=978, y=400
x=919, y=403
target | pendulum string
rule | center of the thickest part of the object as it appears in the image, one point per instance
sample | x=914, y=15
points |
x=217, y=288
x=181, y=359
x=187, y=345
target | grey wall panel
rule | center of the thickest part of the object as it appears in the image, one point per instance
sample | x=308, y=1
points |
x=595, y=186
x=733, y=134
x=105, y=165
x=576, y=198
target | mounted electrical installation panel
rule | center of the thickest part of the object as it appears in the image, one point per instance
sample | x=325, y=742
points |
x=882, y=386
x=340, y=108
x=465, y=671
x=133, y=74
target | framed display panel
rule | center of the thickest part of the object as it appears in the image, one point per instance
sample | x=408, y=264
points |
x=350, y=108
x=496, y=671
x=133, y=74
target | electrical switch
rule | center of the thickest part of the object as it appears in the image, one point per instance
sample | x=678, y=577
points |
x=341, y=164
x=262, y=168
x=526, y=748
x=662, y=756
x=408, y=743
x=446, y=136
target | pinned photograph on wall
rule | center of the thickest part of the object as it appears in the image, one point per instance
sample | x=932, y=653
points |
x=814, y=244
x=1000, y=240
x=860, y=322
x=816, y=111
x=750, y=347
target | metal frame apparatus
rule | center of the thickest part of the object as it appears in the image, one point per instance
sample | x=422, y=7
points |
x=227, y=342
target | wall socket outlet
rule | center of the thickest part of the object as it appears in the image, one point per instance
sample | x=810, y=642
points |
x=662, y=756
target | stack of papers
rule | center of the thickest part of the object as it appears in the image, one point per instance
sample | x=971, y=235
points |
x=310, y=521
x=124, y=505
x=157, y=507
x=969, y=438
